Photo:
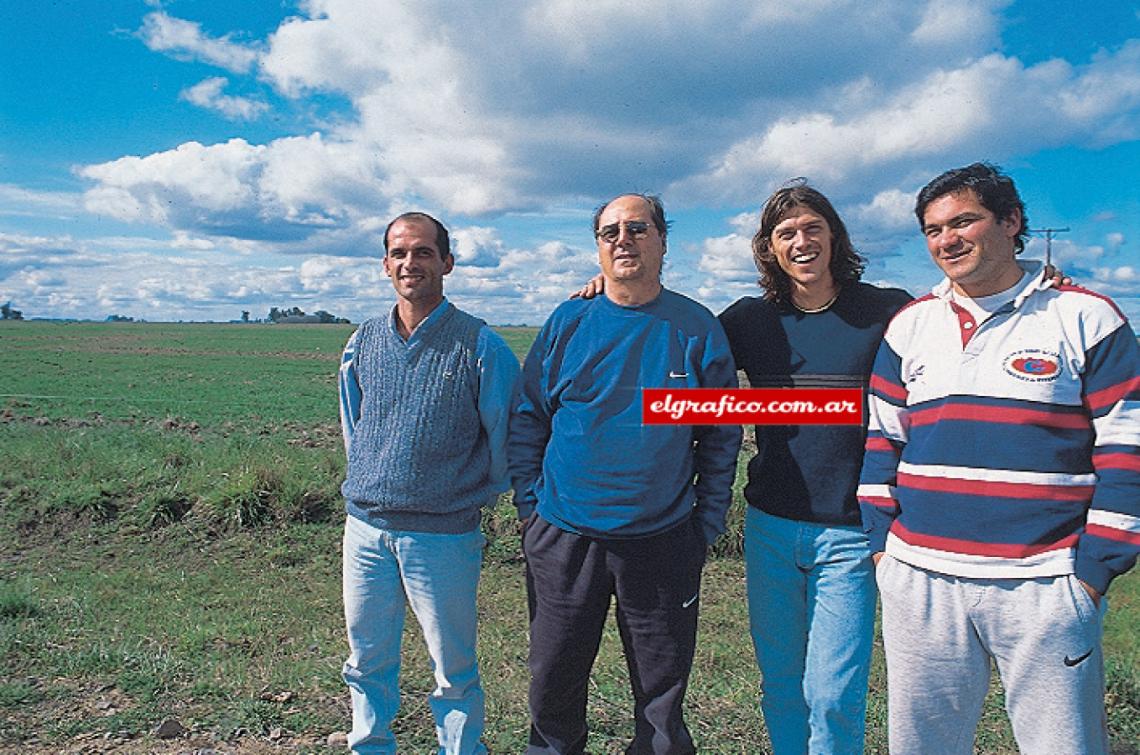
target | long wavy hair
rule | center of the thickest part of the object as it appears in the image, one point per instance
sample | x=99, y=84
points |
x=846, y=264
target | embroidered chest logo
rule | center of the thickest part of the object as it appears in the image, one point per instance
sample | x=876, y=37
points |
x=1033, y=365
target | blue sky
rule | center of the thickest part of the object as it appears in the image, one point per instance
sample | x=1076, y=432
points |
x=190, y=159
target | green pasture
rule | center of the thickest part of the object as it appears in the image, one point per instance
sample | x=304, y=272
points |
x=169, y=549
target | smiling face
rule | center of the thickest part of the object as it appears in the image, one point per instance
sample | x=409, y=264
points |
x=637, y=252
x=801, y=244
x=972, y=247
x=414, y=262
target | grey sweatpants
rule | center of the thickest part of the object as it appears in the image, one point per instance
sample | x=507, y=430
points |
x=940, y=632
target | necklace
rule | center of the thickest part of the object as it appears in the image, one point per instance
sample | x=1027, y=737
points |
x=816, y=310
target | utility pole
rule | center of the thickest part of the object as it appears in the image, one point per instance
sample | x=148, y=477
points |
x=1049, y=240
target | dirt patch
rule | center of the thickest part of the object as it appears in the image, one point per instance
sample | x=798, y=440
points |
x=93, y=743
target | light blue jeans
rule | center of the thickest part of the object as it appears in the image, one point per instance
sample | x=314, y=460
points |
x=811, y=607
x=438, y=575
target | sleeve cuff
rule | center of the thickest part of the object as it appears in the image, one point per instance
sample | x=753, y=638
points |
x=877, y=540
x=1094, y=573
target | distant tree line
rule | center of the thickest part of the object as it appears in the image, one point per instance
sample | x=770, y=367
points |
x=296, y=314
x=7, y=313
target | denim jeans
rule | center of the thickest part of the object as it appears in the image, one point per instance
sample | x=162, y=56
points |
x=811, y=607
x=438, y=574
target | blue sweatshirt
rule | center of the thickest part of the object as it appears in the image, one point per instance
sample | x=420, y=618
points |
x=577, y=447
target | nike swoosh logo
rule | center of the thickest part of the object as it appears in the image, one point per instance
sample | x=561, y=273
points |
x=1074, y=661
x=693, y=600
x=673, y=374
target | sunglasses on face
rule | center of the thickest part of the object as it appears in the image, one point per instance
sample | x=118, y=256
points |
x=635, y=228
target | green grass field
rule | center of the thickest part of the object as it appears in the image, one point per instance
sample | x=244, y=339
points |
x=170, y=532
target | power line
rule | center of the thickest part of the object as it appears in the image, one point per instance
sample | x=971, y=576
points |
x=1049, y=240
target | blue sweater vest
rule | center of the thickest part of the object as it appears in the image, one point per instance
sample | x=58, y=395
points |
x=419, y=459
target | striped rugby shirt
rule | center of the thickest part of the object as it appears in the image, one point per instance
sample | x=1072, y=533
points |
x=1008, y=447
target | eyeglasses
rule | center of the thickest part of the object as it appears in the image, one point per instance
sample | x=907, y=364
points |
x=635, y=228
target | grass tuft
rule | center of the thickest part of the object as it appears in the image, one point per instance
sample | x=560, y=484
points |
x=14, y=694
x=163, y=507
x=246, y=497
x=16, y=606
x=101, y=502
x=249, y=715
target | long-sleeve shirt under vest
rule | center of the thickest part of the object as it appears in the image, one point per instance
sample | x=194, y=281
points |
x=1008, y=447
x=425, y=421
x=578, y=448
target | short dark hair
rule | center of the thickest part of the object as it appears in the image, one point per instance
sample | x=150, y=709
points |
x=994, y=190
x=656, y=211
x=442, y=237
x=846, y=264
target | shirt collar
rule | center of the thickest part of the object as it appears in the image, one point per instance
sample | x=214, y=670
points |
x=426, y=324
x=1036, y=282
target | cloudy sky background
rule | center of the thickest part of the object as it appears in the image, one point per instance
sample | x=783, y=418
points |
x=190, y=159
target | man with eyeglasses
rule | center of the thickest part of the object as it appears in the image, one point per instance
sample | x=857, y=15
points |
x=613, y=508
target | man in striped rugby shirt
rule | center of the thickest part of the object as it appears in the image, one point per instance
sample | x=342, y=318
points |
x=1001, y=483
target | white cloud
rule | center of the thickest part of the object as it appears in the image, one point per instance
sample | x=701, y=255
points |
x=728, y=257
x=485, y=113
x=586, y=29
x=948, y=112
x=185, y=279
x=16, y=200
x=178, y=187
x=320, y=182
x=728, y=270
x=477, y=246
x=208, y=94
x=185, y=39
x=949, y=22
x=890, y=209
x=183, y=240
x=64, y=277
x=338, y=47
x=1106, y=94
x=1121, y=283
x=447, y=115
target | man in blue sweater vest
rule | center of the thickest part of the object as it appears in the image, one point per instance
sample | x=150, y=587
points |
x=425, y=395
x=1001, y=484
x=613, y=507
